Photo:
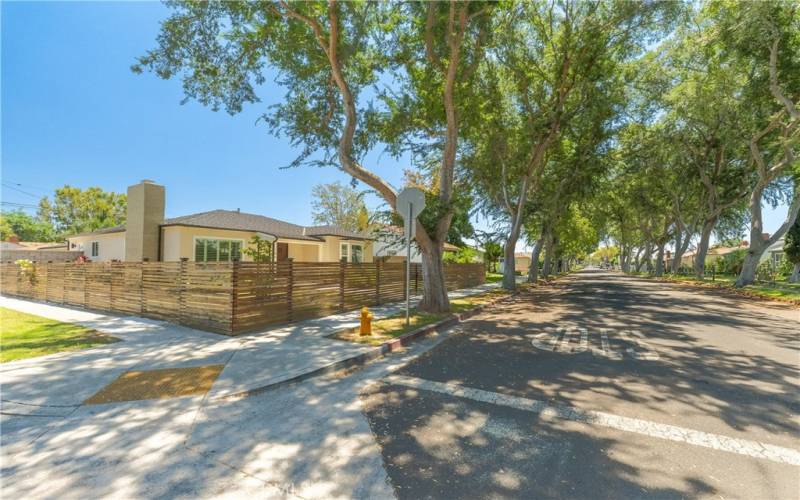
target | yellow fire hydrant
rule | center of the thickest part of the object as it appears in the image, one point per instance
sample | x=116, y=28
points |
x=366, y=321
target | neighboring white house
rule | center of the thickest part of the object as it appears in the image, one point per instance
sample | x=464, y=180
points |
x=774, y=252
x=390, y=246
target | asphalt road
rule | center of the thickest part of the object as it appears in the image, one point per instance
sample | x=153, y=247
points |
x=602, y=386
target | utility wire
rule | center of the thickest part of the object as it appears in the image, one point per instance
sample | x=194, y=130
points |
x=19, y=205
x=5, y=185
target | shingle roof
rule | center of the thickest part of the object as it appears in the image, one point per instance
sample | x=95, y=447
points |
x=335, y=231
x=230, y=219
x=104, y=230
x=10, y=245
x=235, y=220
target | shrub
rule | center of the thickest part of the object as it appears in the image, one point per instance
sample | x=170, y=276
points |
x=765, y=271
x=784, y=267
x=731, y=263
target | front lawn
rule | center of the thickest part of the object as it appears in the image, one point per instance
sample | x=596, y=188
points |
x=27, y=336
x=781, y=289
x=494, y=277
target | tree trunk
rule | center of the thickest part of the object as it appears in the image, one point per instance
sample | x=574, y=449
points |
x=509, y=264
x=533, y=272
x=749, y=267
x=434, y=297
x=509, y=267
x=638, y=261
x=680, y=248
x=624, y=259
x=795, y=276
x=660, y=261
x=757, y=245
x=548, y=256
x=702, y=248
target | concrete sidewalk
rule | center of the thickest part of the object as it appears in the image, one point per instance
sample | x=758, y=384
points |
x=56, y=385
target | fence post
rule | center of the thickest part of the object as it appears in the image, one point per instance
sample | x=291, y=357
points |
x=234, y=287
x=142, y=301
x=41, y=281
x=342, y=267
x=378, y=282
x=182, y=289
x=85, y=294
x=290, y=290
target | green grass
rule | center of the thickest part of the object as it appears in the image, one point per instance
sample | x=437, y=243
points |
x=394, y=326
x=27, y=336
x=779, y=290
x=389, y=328
x=494, y=277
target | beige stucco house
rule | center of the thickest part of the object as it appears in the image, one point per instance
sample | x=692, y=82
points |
x=522, y=262
x=215, y=236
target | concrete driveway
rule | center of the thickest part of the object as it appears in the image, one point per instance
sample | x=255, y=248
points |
x=606, y=387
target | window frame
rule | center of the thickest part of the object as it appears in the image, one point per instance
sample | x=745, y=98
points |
x=219, y=240
x=95, y=249
x=348, y=254
x=361, y=253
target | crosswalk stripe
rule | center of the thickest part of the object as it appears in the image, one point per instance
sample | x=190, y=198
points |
x=627, y=424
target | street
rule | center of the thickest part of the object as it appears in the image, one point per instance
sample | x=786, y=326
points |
x=597, y=386
x=604, y=387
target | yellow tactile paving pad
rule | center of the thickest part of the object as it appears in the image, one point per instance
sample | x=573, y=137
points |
x=158, y=384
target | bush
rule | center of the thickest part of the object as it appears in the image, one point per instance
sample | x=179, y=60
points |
x=464, y=255
x=784, y=267
x=731, y=263
x=765, y=271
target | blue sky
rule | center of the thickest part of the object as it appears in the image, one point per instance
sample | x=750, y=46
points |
x=73, y=113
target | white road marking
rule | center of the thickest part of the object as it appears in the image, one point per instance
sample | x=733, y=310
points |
x=584, y=345
x=607, y=350
x=560, y=341
x=564, y=347
x=649, y=353
x=627, y=424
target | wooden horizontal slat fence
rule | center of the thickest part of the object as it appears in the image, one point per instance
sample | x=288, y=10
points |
x=229, y=298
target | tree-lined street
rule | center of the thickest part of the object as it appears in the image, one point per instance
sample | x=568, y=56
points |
x=690, y=396
x=673, y=393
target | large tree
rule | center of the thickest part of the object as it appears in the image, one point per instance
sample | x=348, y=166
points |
x=555, y=62
x=791, y=248
x=25, y=227
x=330, y=56
x=336, y=204
x=73, y=210
x=761, y=40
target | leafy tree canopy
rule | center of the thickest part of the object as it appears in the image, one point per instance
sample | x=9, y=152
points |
x=336, y=204
x=25, y=227
x=73, y=210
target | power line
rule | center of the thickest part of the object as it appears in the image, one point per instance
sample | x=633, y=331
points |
x=5, y=185
x=27, y=186
x=18, y=205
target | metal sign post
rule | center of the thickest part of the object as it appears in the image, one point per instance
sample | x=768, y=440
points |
x=408, y=265
x=410, y=202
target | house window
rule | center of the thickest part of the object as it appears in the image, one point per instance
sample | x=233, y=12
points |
x=357, y=253
x=95, y=248
x=351, y=253
x=217, y=250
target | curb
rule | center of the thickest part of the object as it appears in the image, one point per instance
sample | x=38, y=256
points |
x=729, y=291
x=363, y=359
